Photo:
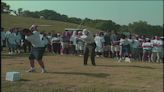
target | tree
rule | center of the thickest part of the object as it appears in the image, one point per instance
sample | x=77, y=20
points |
x=75, y=20
x=50, y=14
x=20, y=11
x=5, y=8
x=28, y=13
x=142, y=28
x=64, y=18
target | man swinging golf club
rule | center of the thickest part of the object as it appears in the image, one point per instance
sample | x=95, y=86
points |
x=33, y=36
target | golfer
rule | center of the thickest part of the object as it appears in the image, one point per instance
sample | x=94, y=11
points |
x=37, y=49
x=89, y=48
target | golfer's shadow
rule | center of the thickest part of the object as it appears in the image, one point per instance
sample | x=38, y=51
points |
x=146, y=67
x=98, y=75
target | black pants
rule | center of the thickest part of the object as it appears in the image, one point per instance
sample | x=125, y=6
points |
x=89, y=49
x=56, y=48
x=73, y=50
x=49, y=48
x=27, y=45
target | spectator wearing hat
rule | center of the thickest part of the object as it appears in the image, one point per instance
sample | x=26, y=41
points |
x=34, y=28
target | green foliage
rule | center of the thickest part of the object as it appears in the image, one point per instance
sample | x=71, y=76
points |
x=20, y=10
x=142, y=28
x=5, y=8
x=28, y=13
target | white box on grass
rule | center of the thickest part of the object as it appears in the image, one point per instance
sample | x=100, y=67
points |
x=13, y=76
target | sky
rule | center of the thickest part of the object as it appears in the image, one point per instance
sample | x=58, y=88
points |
x=121, y=12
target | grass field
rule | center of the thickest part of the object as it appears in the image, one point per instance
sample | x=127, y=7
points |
x=9, y=21
x=67, y=74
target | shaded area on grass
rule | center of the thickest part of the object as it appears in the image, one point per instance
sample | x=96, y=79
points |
x=24, y=80
x=8, y=56
x=98, y=75
x=146, y=67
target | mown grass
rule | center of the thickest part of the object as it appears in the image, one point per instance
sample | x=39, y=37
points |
x=9, y=21
x=67, y=74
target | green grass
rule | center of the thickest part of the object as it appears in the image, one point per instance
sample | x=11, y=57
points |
x=9, y=21
x=67, y=74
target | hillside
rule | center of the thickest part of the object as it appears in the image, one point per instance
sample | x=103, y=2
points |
x=9, y=21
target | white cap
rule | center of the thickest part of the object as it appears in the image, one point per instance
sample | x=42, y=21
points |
x=84, y=29
x=33, y=27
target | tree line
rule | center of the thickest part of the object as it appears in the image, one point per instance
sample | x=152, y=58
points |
x=139, y=27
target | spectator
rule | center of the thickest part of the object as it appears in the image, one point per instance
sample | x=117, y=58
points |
x=147, y=47
x=18, y=41
x=124, y=48
x=135, y=48
x=12, y=41
x=55, y=44
x=157, y=43
x=114, y=44
x=99, y=40
x=3, y=36
x=49, y=36
x=73, y=41
x=107, y=44
x=80, y=44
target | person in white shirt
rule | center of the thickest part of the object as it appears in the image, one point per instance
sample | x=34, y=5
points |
x=37, y=50
x=147, y=48
x=73, y=41
x=12, y=41
x=124, y=49
x=99, y=40
x=157, y=44
x=80, y=44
